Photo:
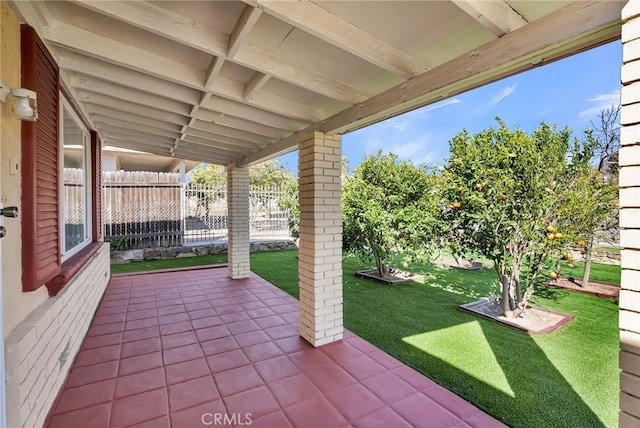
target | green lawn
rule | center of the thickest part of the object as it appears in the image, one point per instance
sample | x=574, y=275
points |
x=169, y=264
x=568, y=378
x=599, y=272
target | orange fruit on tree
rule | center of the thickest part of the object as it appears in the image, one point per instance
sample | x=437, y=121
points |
x=616, y=204
x=456, y=205
x=551, y=229
x=551, y=237
x=553, y=275
x=569, y=256
x=558, y=235
x=580, y=242
x=503, y=197
x=570, y=265
x=478, y=186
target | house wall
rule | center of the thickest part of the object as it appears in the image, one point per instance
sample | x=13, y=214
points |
x=40, y=350
x=16, y=304
x=42, y=334
x=630, y=218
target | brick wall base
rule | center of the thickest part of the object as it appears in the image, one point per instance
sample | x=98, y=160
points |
x=40, y=350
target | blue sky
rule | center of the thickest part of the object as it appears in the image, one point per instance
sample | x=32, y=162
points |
x=570, y=92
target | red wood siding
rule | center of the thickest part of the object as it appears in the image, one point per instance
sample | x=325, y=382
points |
x=40, y=166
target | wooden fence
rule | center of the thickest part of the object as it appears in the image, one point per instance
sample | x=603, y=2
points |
x=145, y=210
x=142, y=209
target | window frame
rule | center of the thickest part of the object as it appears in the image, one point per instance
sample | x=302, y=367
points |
x=65, y=253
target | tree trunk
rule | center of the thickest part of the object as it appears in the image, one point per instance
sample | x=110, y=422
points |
x=506, y=296
x=587, y=264
x=383, y=268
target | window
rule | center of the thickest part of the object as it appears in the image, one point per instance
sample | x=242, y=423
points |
x=76, y=183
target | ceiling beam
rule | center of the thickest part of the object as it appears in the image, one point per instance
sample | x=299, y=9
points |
x=569, y=30
x=249, y=56
x=246, y=125
x=160, y=21
x=242, y=29
x=315, y=20
x=254, y=84
x=136, y=130
x=110, y=50
x=267, y=63
x=137, y=137
x=496, y=15
x=245, y=139
x=211, y=138
x=97, y=86
x=108, y=65
x=101, y=113
x=92, y=67
x=234, y=108
x=130, y=108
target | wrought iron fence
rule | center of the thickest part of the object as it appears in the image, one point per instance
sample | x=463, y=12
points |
x=167, y=213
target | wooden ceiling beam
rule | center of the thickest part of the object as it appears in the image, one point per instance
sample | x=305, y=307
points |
x=234, y=108
x=246, y=125
x=315, y=20
x=97, y=86
x=131, y=108
x=105, y=120
x=136, y=130
x=245, y=139
x=137, y=137
x=198, y=156
x=98, y=112
x=254, y=84
x=208, y=40
x=162, y=22
x=242, y=29
x=91, y=67
x=496, y=15
x=230, y=143
x=571, y=29
x=267, y=63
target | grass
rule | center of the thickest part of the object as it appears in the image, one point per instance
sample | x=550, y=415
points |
x=169, y=263
x=599, y=272
x=568, y=378
x=614, y=250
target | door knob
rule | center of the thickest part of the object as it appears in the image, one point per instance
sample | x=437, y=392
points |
x=9, y=212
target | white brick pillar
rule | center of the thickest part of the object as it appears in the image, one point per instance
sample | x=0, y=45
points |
x=630, y=218
x=238, y=222
x=320, y=256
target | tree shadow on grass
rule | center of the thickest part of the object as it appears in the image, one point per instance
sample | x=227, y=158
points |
x=500, y=369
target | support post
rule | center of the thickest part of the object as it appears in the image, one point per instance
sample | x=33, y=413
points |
x=629, y=161
x=238, y=222
x=320, y=256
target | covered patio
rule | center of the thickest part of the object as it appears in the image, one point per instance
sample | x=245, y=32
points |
x=236, y=83
x=189, y=348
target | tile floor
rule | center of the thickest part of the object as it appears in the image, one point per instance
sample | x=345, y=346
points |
x=196, y=349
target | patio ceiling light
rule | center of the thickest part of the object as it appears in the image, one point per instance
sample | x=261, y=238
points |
x=24, y=105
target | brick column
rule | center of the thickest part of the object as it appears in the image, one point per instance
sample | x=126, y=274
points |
x=630, y=218
x=238, y=222
x=320, y=256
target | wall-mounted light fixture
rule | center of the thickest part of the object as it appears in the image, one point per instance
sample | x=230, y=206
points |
x=24, y=104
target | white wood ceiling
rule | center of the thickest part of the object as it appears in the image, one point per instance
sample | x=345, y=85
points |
x=233, y=83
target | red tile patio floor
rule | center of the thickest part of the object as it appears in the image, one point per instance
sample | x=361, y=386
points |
x=195, y=348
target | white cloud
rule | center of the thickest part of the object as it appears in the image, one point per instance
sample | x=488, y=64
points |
x=501, y=96
x=423, y=112
x=601, y=102
x=399, y=125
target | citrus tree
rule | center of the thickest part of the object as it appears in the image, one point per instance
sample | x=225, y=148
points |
x=388, y=206
x=502, y=191
x=597, y=206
